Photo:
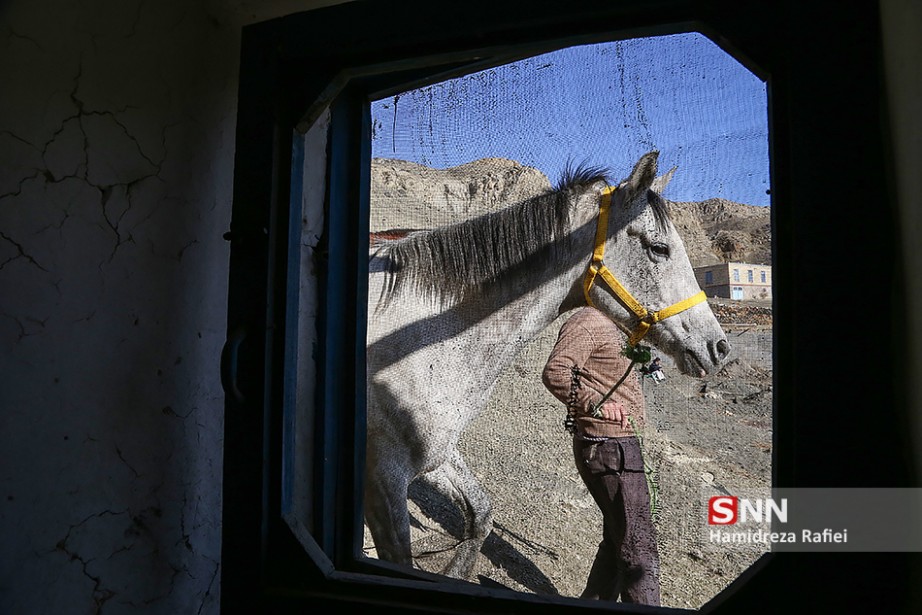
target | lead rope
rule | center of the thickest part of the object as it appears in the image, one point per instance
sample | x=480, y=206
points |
x=637, y=354
x=596, y=409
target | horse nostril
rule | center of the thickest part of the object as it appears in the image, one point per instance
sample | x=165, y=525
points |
x=720, y=350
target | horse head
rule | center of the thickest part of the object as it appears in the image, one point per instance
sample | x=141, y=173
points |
x=650, y=289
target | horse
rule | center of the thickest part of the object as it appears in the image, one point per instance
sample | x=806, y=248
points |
x=450, y=307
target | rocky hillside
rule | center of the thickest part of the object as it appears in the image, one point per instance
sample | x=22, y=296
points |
x=409, y=195
x=718, y=231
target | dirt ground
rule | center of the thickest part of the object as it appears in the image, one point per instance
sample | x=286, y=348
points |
x=704, y=437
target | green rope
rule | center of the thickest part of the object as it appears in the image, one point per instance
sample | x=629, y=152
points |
x=649, y=472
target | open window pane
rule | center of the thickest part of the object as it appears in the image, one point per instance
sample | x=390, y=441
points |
x=472, y=146
x=301, y=441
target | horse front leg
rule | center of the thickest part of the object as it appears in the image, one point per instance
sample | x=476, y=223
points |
x=386, y=513
x=455, y=480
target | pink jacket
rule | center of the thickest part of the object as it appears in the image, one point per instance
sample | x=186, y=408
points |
x=592, y=343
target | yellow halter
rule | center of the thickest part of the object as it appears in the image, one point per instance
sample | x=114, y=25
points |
x=597, y=267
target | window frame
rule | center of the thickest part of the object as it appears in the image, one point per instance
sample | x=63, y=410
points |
x=291, y=67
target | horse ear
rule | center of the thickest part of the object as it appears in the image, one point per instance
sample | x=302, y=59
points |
x=642, y=176
x=660, y=183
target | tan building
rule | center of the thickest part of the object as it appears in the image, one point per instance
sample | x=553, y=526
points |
x=742, y=281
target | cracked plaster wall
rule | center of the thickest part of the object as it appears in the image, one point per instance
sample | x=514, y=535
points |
x=117, y=124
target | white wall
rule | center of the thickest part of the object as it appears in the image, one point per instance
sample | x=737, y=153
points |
x=117, y=122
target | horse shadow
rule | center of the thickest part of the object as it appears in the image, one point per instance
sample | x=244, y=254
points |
x=496, y=548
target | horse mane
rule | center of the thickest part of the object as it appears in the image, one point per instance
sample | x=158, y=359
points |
x=580, y=176
x=583, y=175
x=451, y=262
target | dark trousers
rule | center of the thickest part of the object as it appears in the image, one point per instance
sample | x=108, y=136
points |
x=627, y=562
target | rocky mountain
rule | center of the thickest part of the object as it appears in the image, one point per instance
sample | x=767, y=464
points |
x=719, y=231
x=409, y=195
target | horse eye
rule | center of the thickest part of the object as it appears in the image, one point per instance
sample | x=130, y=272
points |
x=660, y=249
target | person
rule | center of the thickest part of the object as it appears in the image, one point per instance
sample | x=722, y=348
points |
x=655, y=370
x=585, y=363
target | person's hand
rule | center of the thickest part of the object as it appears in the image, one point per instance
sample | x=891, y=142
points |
x=615, y=412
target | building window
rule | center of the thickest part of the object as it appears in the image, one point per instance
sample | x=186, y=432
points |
x=315, y=414
x=441, y=139
x=749, y=276
x=762, y=275
x=708, y=277
x=736, y=275
x=329, y=47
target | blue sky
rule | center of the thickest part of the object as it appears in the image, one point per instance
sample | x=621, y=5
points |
x=605, y=104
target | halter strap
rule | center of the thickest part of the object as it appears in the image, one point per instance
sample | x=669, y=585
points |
x=646, y=318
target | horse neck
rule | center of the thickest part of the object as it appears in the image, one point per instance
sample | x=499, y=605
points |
x=524, y=308
x=530, y=296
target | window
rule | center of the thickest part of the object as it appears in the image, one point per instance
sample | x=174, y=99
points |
x=749, y=276
x=762, y=276
x=708, y=277
x=323, y=67
x=736, y=275
x=477, y=145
